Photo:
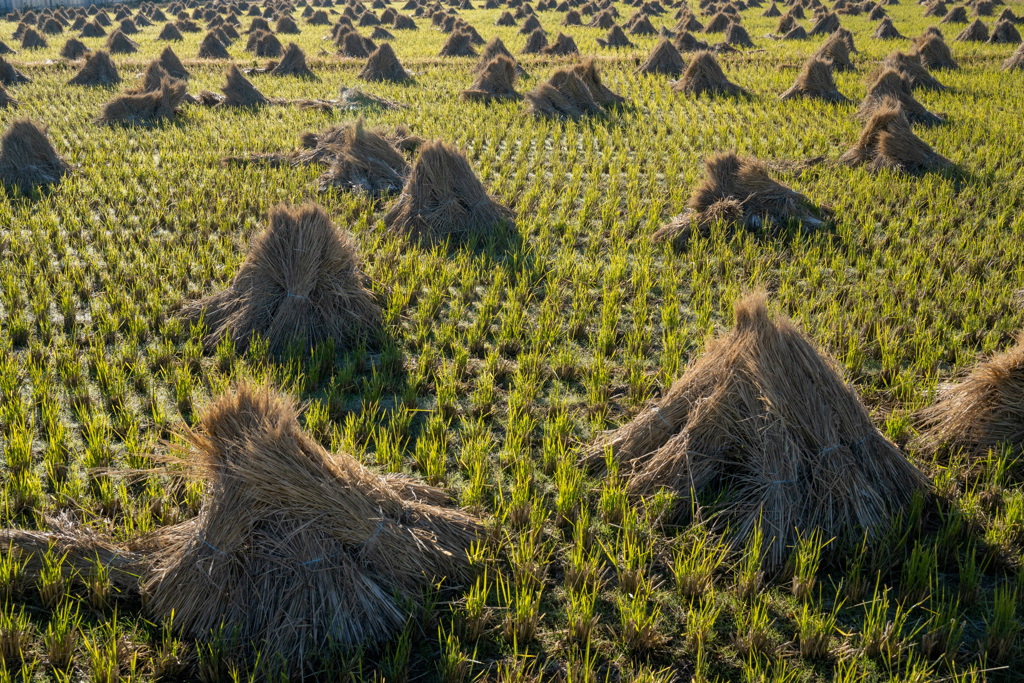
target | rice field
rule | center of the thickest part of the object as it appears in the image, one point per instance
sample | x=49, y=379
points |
x=504, y=358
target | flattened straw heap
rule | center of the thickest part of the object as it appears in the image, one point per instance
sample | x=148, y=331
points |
x=443, y=199
x=153, y=105
x=763, y=430
x=981, y=412
x=888, y=142
x=664, y=60
x=300, y=283
x=80, y=548
x=354, y=99
x=367, y=161
x=285, y=529
x=325, y=147
x=891, y=83
x=98, y=70
x=383, y=65
x=911, y=68
x=497, y=81
x=934, y=53
x=815, y=81
x=738, y=192
x=28, y=159
x=704, y=76
x=293, y=64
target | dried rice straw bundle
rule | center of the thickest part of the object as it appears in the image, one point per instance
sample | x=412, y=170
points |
x=664, y=59
x=891, y=84
x=293, y=63
x=497, y=81
x=154, y=105
x=888, y=142
x=1015, y=62
x=738, y=192
x=98, y=70
x=240, y=92
x=9, y=75
x=492, y=50
x=912, y=69
x=602, y=94
x=443, y=199
x=28, y=159
x=981, y=412
x=295, y=548
x=366, y=161
x=563, y=95
x=763, y=425
x=300, y=283
x=934, y=52
x=704, y=76
x=616, y=38
x=815, y=81
x=837, y=51
x=383, y=65
x=887, y=31
x=976, y=32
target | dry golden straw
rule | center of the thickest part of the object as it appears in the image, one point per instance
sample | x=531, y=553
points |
x=763, y=425
x=294, y=547
x=300, y=283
